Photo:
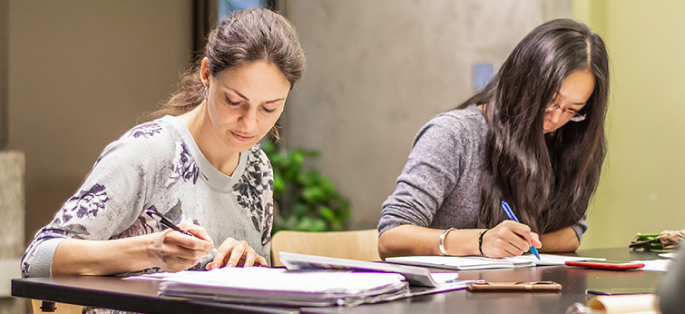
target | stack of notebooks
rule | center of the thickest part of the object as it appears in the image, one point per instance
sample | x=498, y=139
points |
x=307, y=281
x=258, y=285
x=310, y=280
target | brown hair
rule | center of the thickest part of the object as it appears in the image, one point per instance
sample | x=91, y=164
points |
x=539, y=174
x=243, y=37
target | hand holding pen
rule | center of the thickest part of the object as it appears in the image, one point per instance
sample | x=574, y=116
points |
x=167, y=222
x=511, y=216
x=170, y=224
x=233, y=252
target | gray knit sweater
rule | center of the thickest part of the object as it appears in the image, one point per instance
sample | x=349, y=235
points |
x=439, y=186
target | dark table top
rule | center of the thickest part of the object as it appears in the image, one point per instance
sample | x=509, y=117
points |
x=141, y=296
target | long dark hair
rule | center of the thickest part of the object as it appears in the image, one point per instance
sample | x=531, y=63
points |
x=543, y=175
x=243, y=37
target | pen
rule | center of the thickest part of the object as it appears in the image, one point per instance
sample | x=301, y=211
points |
x=511, y=215
x=167, y=222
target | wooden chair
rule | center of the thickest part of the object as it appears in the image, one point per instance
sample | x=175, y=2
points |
x=38, y=306
x=356, y=244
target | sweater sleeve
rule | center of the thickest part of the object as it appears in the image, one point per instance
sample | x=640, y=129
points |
x=580, y=227
x=110, y=200
x=430, y=174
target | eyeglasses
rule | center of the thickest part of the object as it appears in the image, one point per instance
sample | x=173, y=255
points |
x=570, y=114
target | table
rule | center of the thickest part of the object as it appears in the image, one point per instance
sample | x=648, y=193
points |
x=141, y=296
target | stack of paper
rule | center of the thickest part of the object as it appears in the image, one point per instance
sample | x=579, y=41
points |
x=258, y=285
x=475, y=262
x=422, y=280
x=662, y=265
x=418, y=276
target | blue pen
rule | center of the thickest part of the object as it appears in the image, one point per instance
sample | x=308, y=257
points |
x=511, y=215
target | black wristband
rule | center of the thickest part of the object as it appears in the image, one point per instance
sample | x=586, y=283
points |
x=480, y=242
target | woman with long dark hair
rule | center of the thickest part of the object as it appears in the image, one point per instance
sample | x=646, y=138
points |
x=198, y=164
x=533, y=137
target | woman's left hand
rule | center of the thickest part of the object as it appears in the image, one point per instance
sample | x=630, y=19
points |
x=233, y=253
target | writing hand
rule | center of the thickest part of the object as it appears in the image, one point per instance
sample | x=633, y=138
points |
x=175, y=251
x=509, y=238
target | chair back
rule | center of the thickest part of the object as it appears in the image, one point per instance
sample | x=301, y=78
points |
x=356, y=244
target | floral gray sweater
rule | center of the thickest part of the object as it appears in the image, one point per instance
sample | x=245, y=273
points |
x=157, y=165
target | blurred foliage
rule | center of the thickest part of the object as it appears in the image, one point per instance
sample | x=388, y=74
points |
x=304, y=199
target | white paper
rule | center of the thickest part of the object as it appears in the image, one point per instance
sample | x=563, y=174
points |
x=262, y=285
x=442, y=278
x=668, y=255
x=550, y=259
x=475, y=262
x=656, y=265
x=454, y=262
x=152, y=277
x=415, y=275
x=274, y=279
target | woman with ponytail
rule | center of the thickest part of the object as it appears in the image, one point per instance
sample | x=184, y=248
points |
x=198, y=163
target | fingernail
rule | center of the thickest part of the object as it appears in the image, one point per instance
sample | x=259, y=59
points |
x=229, y=265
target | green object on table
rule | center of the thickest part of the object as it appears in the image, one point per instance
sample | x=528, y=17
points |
x=647, y=242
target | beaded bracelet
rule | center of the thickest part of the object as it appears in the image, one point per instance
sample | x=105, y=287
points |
x=442, y=241
x=480, y=242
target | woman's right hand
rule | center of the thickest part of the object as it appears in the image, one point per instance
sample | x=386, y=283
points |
x=175, y=251
x=509, y=238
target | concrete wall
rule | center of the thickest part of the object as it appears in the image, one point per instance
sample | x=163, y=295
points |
x=80, y=73
x=378, y=70
x=12, y=231
x=643, y=177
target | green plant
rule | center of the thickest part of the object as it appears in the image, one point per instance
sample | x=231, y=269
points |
x=304, y=199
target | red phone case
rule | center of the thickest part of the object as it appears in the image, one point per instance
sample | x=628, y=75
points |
x=600, y=265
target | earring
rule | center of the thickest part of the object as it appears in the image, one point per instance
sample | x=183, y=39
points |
x=205, y=97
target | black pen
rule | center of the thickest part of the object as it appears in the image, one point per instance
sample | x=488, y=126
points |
x=167, y=222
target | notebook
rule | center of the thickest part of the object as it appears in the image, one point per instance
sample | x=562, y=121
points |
x=309, y=281
x=476, y=262
x=272, y=286
x=418, y=276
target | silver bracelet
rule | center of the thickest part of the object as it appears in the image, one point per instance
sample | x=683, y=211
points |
x=442, y=241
